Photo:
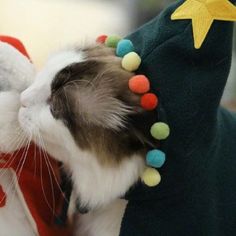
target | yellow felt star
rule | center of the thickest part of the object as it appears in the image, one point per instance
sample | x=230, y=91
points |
x=203, y=13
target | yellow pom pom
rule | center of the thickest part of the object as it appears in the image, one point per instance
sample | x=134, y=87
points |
x=131, y=61
x=151, y=177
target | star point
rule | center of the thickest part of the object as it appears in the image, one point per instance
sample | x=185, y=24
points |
x=203, y=13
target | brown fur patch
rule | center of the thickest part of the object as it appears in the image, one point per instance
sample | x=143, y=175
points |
x=103, y=115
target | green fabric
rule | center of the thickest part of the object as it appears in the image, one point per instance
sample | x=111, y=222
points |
x=197, y=195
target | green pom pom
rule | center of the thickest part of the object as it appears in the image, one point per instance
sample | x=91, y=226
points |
x=112, y=41
x=160, y=131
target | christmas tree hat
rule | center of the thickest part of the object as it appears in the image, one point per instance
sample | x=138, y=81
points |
x=186, y=55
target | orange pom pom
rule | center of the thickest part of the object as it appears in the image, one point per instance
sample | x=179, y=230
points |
x=101, y=39
x=149, y=101
x=139, y=84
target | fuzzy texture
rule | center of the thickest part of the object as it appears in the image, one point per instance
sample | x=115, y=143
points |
x=13, y=220
x=16, y=73
x=105, y=221
x=39, y=118
x=197, y=194
x=81, y=99
x=28, y=178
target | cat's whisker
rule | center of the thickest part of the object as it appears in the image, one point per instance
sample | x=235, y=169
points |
x=19, y=167
x=26, y=149
x=20, y=141
x=50, y=165
x=35, y=162
x=41, y=177
x=11, y=158
x=49, y=172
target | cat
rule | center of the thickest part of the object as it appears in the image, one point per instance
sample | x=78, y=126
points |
x=80, y=110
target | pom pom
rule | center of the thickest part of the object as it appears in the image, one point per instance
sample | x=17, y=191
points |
x=101, y=39
x=139, y=84
x=124, y=47
x=112, y=41
x=149, y=101
x=151, y=177
x=160, y=131
x=156, y=158
x=131, y=61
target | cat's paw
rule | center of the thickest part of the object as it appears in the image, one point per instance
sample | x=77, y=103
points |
x=16, y=71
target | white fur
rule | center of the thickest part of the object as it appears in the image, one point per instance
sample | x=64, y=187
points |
x=16, y=74
x=16, y=71
x=13, y=219
x=103, y=222
x=11, y=135
x=40, y=90
x=97, y=186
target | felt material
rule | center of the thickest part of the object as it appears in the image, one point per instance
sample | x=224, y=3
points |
x=151, y=177
x=35, y=180
x=197, y=195
x=112, y=41
x=202, y=14
x=149, y=101
x=101, y=39
x=155, y=158
x=131, y=61
x=38, y=179
x=160, y=131
x=124, y=47
x=139, y=84
x=15, y=43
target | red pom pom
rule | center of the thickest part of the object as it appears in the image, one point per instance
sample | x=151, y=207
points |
x=15, y=43
x=149, y=101
x=139, y=84
x=101, y=39
x=2, y=197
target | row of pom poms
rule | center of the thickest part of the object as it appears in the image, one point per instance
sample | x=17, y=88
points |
x=140, y=84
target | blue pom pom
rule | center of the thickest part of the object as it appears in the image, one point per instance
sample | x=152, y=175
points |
x=124, y=47
x=156, y=158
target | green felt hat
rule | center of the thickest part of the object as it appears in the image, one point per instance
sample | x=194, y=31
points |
x=197, y=195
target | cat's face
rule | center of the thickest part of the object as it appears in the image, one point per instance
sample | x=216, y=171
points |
x=82, y=112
